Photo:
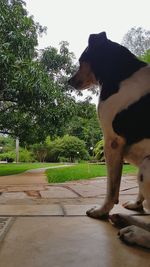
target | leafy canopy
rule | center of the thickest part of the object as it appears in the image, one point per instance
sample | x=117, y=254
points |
x=32, y=102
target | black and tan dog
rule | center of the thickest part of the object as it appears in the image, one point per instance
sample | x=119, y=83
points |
x=124, y=112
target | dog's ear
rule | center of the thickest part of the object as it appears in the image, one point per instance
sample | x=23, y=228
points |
x=97, y=39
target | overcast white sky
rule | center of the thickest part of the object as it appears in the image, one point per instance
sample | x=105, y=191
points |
x=75, y=20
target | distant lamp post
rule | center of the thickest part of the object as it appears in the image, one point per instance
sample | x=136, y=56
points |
x=91, y=150
x=77, y=156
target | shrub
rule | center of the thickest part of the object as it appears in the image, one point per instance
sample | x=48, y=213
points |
x=6, y=143
x=68, y=148
x=40, y=151
x=9, y=156
x=99, y=151
x=73, y=148
x=26, y=155
x=63, y=159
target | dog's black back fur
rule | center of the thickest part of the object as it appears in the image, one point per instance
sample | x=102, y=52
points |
x=110, y=62
x=133, y=123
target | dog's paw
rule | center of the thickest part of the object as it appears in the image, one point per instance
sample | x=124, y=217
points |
x=133, y=205
x=133, y=235
x=119, y=220
x=97, y=213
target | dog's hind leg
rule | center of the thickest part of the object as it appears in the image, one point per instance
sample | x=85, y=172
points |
x=134, y=235
x=144, y=188
x=122, y=220
x=135, y=231
x=136, y=205
x=144, y=181
x=138, y=231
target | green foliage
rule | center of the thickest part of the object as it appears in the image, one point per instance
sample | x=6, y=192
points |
x=20, y=74
x=6, y=143
x=8, y=156
x=7, y=146
x=8, y=152
x=26, y=156
x=54, y=150
x=99, y=151
x=63, y=159
x=35, y=101
x=146, y=57
x=58, y=63
x=69, y=147
x=85, y=124
x=32, y=102
x=40, y=151
x=74, y=148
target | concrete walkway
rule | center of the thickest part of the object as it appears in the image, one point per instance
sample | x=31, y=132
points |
x=45, y=224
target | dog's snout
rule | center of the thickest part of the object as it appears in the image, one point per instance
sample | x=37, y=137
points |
x=74, y=82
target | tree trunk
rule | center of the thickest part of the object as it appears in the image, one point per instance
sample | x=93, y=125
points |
x=17, y=149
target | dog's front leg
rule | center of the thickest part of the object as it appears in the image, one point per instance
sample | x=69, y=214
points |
x=114, y=149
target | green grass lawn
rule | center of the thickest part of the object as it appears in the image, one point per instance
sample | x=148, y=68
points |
x=76, y=172
x=82, y=171
x=13, y=168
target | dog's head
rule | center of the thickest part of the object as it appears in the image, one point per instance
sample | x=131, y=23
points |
x=87, y=74
x=103, y=62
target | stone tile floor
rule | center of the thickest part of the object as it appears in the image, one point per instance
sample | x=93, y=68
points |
x=46, y=225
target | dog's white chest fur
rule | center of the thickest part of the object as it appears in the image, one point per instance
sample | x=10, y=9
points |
x=131, y=90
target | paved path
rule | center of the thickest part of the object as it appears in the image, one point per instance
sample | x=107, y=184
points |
x=32, y=187
x=35, y=176
x=45, y=224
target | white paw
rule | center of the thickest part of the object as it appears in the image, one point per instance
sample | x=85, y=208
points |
x=97, y=213
x=132, y=205
x=134, y=235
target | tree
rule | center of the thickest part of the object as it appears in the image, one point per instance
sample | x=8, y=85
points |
x=137, y=40
x=68, y=148
x=40, y=151
x=146, y=57
x=85, y=124
x=73, y=148
x=20, y=72
x=58, y=63
x=32, y=102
